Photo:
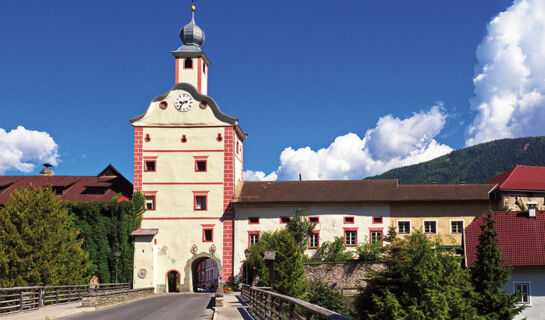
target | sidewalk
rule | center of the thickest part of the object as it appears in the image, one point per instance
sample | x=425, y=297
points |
x=49, y=312
x=233, y=308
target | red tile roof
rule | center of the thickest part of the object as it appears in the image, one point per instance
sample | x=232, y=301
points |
x=74, y=188
x=521, y=178
x=355, y=191
x=521, y=239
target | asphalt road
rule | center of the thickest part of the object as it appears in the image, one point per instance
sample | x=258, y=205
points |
x=164, y=307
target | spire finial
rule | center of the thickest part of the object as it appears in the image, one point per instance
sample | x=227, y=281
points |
x=193, y=8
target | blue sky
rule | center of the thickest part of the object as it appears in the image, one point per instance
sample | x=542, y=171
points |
x=295, y=74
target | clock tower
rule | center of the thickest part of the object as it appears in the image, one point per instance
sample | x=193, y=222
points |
x=188, y=158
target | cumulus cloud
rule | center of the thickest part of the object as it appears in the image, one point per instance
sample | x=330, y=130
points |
x=22, y=149
x=510, y=75
x=250, y=175
x=392, y=143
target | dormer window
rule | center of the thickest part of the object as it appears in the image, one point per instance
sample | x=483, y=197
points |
x=188, y=63
x=95, y=190
x=59, y=190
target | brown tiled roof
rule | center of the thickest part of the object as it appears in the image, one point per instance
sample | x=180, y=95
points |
x=354, y=191
x=74, y=188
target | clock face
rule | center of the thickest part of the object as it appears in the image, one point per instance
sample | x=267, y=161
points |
x=183, y=102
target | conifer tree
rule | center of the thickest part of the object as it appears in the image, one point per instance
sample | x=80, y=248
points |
x=299, y=227
x=489, y=276
x=39, y=244
x=289, y=271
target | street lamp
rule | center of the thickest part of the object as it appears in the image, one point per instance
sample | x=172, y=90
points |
x=246, y=254
x=117, y=254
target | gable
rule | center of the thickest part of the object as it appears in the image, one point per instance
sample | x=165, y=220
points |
x=203, y=110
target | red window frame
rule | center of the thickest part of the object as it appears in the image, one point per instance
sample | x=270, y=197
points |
x=197, y=194
x=356, y=239
x=350, y=217
x=316, y=232
x=314, y=217
x=146, y=165
x=378, y=217
x=375, y=230
x=250, y=222
x=251, y=233
x=154, y=201
x=197, y=166
x=289, y=218
x=204, y=229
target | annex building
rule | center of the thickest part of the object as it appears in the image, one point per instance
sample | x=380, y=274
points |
x=201, y=215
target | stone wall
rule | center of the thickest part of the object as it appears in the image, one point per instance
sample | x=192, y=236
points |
x=99, y=299
x=354, y=274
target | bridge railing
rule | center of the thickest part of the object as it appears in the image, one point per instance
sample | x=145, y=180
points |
x=17, y=299
x=270, y=305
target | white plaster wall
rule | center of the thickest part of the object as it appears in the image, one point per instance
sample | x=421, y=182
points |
x=143, y=249
x=331, y=217
x=238, y=160
x=536, y=278
x=204, y=79
x=187, y=75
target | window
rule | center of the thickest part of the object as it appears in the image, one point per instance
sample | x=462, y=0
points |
x=200, y=203
x=430, y=227
x=284, y=220
x=313, y=240
x=377, y=220
x=456, y=227
x=237, y=147
x=204, y=67
x=150, y=203
x=200, y=165
x=59, y=190
x=207, y=235
x=348, y=220
x=350, y=237
x=253, y=237
x=313, y=220
x=404, y=227
x=376, y=236
x=149, y=166
x=188, y=63
x=253, y=220
x=524, y=290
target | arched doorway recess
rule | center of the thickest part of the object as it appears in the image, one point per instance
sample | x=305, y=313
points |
x=173, y=281
x=202, y=273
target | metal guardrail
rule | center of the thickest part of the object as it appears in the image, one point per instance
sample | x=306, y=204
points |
x=270, y=305
x=17, y=299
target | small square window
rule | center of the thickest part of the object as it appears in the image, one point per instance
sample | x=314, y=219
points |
x=457, y=227
x=430, y=227
x=377, y=220
x=348, y=220
x=150, y=203
x=350, y=238
x=523, y=289
x=313, y=240
x=200, y=165
x=313, y=219
x=376, y=236
x=200, y=202
x=404, y=227
x=149, y=165
x=253, y=220
x=284, y=220
x=208, y=235
x=253, y=238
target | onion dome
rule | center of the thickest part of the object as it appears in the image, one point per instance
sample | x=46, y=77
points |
x=192, y=36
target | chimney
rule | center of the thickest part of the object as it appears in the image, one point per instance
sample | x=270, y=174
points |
x=300, y=177
x=531, y=209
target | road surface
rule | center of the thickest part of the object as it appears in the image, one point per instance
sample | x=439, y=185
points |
x=163, y=307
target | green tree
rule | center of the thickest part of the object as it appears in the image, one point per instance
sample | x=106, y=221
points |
x=334, y=251
x=489, y=276
x=322, y=294
x=39, y=243
x=289, y=272
x=300, y=227
x=369, y=252
x=420, y=280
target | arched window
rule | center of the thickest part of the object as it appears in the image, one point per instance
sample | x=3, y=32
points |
x=188, y=63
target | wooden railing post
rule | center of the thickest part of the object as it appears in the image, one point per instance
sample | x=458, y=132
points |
x=41, y=298
x=21, y=300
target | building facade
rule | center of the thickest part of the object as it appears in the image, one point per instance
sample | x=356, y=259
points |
x=187, y=160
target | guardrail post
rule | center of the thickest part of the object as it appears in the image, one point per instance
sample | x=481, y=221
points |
x=21, y=301
x=56, y=295
x=41, y=298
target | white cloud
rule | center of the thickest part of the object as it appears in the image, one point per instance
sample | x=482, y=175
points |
x=392, y=143
x=250, y=175
x=21, y=149
x=510, y=75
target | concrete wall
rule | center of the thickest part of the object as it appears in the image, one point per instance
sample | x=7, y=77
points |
x=331, y=222
x=441, y=212
x=536, y=278
x=100, y=299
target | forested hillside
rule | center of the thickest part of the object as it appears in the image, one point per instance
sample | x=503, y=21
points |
x=476, y=164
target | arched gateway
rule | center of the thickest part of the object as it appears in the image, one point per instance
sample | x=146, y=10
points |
x=199, y=274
